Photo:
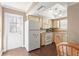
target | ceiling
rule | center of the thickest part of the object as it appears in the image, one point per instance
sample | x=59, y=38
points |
x=46, y=9
x=50, y=10
x=22, y=6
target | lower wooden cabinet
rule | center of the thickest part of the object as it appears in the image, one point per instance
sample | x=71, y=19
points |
x=42, y=39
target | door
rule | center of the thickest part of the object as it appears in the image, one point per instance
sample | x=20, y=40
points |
x=13, y=33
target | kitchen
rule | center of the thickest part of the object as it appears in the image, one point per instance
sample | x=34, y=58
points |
x=52, y=28
x=49, y=32
x=44, y=24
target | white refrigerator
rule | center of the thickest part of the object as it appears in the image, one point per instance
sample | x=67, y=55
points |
x=32, y=35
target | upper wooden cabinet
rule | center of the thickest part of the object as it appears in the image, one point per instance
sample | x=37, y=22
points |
x=60, y=23
x=47, y=23
x=44, y=22
x=35, y=18
x=55, y=23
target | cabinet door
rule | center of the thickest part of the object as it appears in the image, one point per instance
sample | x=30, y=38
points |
x=47, y=23
x=34, y=18
x=42, y=39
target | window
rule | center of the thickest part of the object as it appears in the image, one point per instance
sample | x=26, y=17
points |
x=63, y=24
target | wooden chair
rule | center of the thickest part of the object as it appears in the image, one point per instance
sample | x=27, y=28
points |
x=57, y=40
x=68, y=49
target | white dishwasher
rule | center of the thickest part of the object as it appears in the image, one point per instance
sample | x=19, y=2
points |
x=48, y=38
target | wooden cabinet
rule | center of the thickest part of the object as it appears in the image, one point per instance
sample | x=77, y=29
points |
x=35, y=18
x=55, y=23
x=47, y=23
x=42, y=39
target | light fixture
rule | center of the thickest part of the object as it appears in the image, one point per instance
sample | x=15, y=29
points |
x=58, y=10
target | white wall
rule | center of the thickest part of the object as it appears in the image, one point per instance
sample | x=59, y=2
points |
x=0, y=28
x=73, y=23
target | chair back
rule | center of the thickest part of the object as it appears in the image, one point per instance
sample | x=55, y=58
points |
x=68, y=49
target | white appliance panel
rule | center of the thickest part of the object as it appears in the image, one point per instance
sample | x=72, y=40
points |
x=34, y=25
x=32, y=35
x=34, y=40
